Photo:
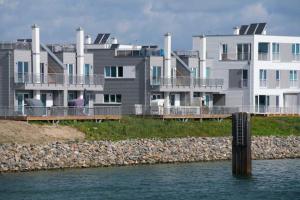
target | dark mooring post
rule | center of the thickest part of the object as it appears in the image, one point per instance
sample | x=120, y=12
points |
x=241, y=144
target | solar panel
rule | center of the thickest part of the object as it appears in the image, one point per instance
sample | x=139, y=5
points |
x=243, y=29
x=261, y=27
x=251, y=29
x=104, y=39
x=98, y=38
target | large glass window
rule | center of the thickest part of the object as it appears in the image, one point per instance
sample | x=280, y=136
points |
x=22, y=74
x=275, y=51
x=156, y=75
x=107, y=71
x=293, y=75
x=243, y=51
x=263, y=74
x=194, y=72
x=296, y=49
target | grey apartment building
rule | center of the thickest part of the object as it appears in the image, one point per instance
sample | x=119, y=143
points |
x=247, y=69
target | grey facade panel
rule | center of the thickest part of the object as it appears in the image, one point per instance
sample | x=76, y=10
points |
x=5, y=77
x=132, y=90
x=235, y=76
x=285, y=52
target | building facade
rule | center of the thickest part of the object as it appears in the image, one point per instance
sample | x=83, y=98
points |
x=247, y=69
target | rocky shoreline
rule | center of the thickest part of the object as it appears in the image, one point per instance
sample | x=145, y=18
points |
x=27, y=157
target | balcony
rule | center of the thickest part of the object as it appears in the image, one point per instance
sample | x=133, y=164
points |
x=294, y=84
x=276, y=56
x=235, y=56
x=263, y=83
x=58, y=81
x=185, y=83
x=263, y=56
x=296, y=57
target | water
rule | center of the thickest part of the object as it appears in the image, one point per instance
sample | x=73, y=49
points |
x=272, y=179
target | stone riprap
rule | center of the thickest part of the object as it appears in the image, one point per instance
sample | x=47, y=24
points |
x=25, y=157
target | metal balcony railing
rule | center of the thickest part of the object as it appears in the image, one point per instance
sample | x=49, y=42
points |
x=29, y=78
x=263, y=83
x=186, y=81
x=276, y=56
x=296, y=57
x=59, y=111
x=59, y=78
x=294, y=84
x=95, y=79
x=235, y=56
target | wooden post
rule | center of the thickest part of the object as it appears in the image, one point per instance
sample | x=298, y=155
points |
x=241, y=144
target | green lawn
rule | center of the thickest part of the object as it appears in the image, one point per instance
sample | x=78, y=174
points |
x=133, y=128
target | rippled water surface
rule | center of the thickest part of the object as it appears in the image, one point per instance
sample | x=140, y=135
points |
x=272, y=179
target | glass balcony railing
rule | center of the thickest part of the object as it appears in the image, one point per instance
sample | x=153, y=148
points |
x=263, y=56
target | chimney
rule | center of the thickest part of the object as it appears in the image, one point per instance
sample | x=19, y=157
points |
x=36, y=51
x=80, y=52
x=202, y=54
x=167, y=55
x=88, y=39
x=236, y=30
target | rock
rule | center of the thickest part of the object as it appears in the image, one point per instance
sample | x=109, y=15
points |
x=18, y=157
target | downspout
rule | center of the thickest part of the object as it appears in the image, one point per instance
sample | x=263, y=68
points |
x=145, y=82
x=9, y=53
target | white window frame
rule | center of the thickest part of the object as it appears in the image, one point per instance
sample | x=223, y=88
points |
x=110, y=99
x=117, y=72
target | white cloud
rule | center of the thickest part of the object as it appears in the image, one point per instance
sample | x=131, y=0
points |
x=254, y=12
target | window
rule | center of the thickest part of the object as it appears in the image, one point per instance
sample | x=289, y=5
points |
x=263, y=74
x=156, y=75
x=207, y=72
x=263, y=51
x=277, y=101
x=107, y=71
x=243, y=51
x=224, y=49
x=245, y=78
x=296, y=49
x=275, y=47
x=156, y=96
x=224, y=53
x=113, y=71
x=263, y=77
x=277, y=75
x=22, y=73
x=120, y=71
x=293, y=75
x=194, y=72
x=275, y=51
x=112, y=98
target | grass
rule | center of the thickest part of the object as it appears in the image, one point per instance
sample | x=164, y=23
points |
x=136, y=128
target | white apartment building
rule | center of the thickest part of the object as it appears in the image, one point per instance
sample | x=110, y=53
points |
x=260, y=71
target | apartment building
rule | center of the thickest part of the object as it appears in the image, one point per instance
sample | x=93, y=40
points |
x=248, y=69
x=259, y=70
x=53, y=74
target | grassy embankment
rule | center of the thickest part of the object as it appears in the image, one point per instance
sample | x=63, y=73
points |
x=134, y=128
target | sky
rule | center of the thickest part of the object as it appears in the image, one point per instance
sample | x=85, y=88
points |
x=143, y=21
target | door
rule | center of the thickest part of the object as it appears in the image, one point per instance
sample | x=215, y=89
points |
x=21, y=102
x=22, y=74
x=172, y=99
x=87, y=74
x=42, y=73
x=71, y=73
x=44, y=99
